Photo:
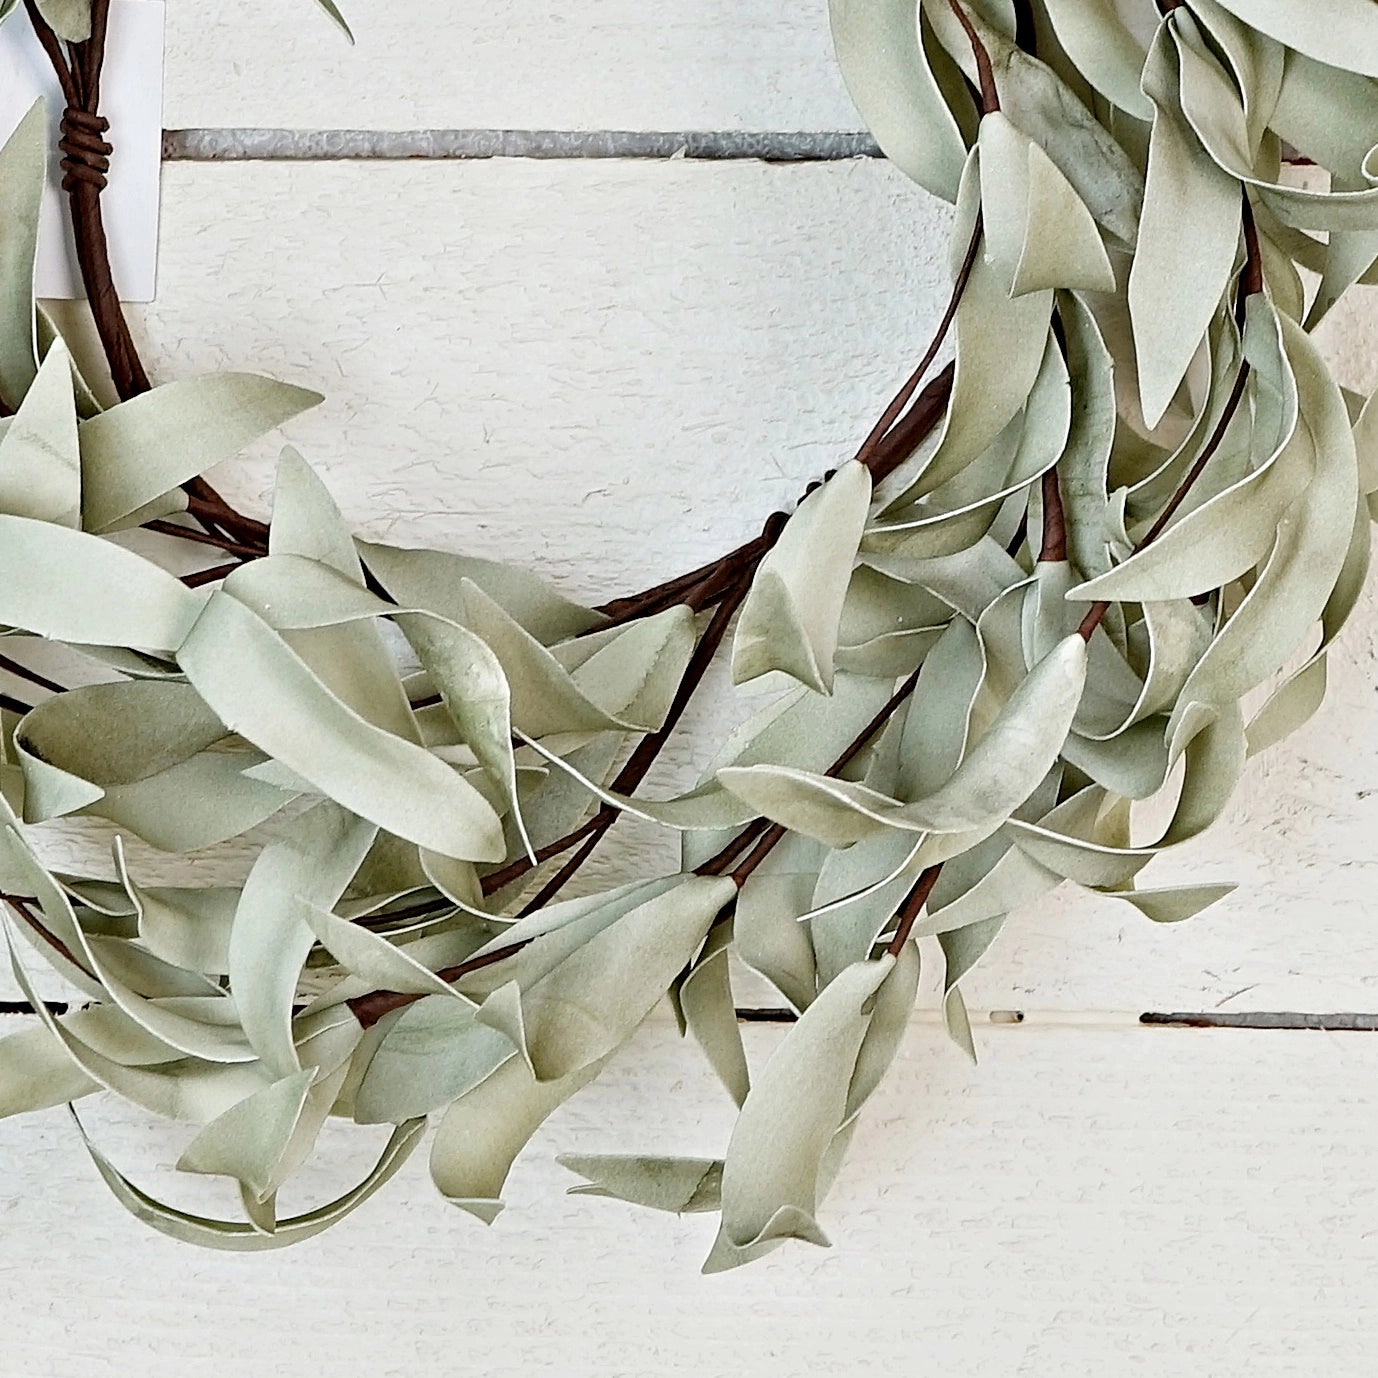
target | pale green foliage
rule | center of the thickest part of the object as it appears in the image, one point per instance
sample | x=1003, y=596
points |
x=404, y=727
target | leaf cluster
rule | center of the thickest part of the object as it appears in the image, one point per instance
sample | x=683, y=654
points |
x=1145, y=510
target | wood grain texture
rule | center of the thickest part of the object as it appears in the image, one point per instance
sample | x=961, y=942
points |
x=428, y=64
x=1147, y=1202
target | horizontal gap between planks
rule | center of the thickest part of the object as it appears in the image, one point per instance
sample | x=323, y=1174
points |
x=1207, y=1019
x=295, y=145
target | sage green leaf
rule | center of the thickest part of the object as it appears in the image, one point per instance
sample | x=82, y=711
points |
x=796, y=1106
x=1038, y=232
x=962, y=949
x=313, y=858
x=633, y=671
x=480, y=1135
x=952, y=520
x=1082, y=859
x=888, y=77
x=938, y=725
x=253, y=680
x=769, y=937
x=249, y=1140
x=545, y=698
x=198, y=803
x=1350, y=254
x=433, y=580
x=1339, y=32
x=1084, y=466
x=55, y=936
x=1188, y=239
x=1173, y=904
x=471, y=683
x=40, y=465
x=140, y=449
x=36, y=1072
x=710, y=1014
x=556, y=931
x=189, y=927
x=68, y=586
x=708, y=806
x=23, y=176
x=890, y=1010
x=307, y=535
x=1212, y=106
x=1000, y=349
x=682, y=1185
x=1231, y=532
x=192, y=1091
x=296, y=593
x=1330, y=115
x=1040, y=103
x=69, y=19
x=1306, y=560
x=859, y=889
x=994, y=778
x=592, y=1001
x=1257, y=63
x=333, y=10
x=116, y=734
x=1293, y=703
x=790, y=619
x=214, y=1037
x=1015, y=880
x=235, y=1237
x=435, y=1052
x=307, y=521
x=1103, y=50
x=371, y=956
x=1133, y=764
x=1215, y=751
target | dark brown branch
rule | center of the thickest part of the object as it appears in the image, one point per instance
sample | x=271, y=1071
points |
x=1054, y=521
x=912, y=907
x=770, y=834
x=23, y=672
x=887, y=419
x=190, y=533
x=990, y=97
x=202, y=577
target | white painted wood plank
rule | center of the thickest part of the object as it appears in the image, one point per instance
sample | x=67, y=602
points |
x=1160, y=1203
x=600, y=64
x=614, y=372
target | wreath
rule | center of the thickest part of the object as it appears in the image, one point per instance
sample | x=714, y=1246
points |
x=1039, y=594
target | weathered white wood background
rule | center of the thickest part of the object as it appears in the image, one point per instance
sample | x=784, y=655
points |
x=616, y=369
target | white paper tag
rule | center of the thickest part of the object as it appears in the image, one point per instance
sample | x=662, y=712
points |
x=132, y=100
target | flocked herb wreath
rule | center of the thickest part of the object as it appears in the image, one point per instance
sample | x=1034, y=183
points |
x=1037, y=594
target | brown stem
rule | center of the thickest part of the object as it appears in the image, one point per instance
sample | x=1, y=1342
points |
x=190, y=533
x=905, y=436
x=85, y=163
x=898, y=402
x=990, y=97
x=515, y=870
x=771, y=834
x=1054, y=521
x=23, y=672
x=912, y=907
x=24, y=905
x=202, y=577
